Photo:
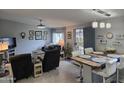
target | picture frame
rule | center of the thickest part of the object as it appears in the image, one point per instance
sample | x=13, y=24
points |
x=69, y=35
x=45, y=35
x=31, y=38
x=38, y=35
x=31, y=33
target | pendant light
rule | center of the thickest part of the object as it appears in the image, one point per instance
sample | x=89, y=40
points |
x=95, y=24
x=102, y=25
x=108, y=25
x=41, y=26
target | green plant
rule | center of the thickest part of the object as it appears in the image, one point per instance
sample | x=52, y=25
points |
x=68, y=50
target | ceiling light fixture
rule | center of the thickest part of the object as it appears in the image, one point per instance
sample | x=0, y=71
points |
x=108, y=25
x=101, y=24
x=95, y=24
x=102, y=12
x=41, y=26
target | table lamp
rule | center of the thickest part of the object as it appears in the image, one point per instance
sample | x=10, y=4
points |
x=3, y=46
x=61, y=43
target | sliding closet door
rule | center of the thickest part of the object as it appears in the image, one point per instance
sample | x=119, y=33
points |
x=89, y=37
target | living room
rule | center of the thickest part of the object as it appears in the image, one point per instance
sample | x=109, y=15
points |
x=68, y=30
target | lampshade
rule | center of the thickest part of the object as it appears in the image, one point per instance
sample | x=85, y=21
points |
x=108, y=25
x=102, y=25
x=61, y=42
x=3, y=46
x=95, y=24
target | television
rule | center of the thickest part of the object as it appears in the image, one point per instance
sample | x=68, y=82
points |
x=11, y=41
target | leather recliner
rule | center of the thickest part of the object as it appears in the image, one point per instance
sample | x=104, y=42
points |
x=51, y=58
x=22, y=66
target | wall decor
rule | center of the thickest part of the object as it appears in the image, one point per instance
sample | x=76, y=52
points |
x=109, y=35
x=38, y=35
x=31, y=33
x=120, y=37
x=31, y=38
x=103, y=42
x=100, y=37
x=69, y=35
x=45, y=35
x=116, y=43
x=23, y=35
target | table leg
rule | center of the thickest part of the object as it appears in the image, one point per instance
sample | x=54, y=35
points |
x=117, y=76
x=81, y=78
x=87, y=74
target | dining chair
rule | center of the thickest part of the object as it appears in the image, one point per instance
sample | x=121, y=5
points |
x=108, y=71
x=120, y=66
x=88, y=50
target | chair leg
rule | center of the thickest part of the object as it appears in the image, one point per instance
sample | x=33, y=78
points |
x=81, y=78
x=117, y=76
x=104, y=80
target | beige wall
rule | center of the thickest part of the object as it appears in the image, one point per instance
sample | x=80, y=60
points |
x=117, y=29
x=69, y=29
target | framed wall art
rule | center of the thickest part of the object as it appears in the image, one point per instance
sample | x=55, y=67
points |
x=31, y=38
x=31, y=34
x=38, y=35
x=69, y=35
x=45, y=35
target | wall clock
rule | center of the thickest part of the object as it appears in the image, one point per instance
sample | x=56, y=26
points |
x=109, y=35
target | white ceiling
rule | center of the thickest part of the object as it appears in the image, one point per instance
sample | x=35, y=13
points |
x=56, y=17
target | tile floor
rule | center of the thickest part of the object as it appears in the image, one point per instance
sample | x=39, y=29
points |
x=65, y=73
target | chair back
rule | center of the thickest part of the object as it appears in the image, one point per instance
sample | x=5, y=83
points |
x=51, y=59
x=88, y=50
x=121, y=64
x=75, y=53
x=110, y=68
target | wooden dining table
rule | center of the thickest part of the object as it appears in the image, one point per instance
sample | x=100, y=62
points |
x=88, y=66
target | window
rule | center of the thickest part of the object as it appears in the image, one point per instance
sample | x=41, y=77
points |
x=56, y=37
x=79, y=40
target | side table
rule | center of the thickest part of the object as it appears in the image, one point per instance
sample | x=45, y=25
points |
x=37, y=69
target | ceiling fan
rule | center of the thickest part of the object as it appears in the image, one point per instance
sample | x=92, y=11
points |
x=41, y=26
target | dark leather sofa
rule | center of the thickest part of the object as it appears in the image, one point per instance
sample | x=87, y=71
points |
x=51, y=57
x=22, y=66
